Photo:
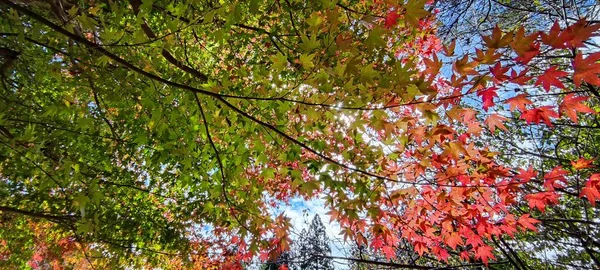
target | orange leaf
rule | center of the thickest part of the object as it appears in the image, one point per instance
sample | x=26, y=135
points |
x=495, y=120
x=582, y=163
x=556, y=38
x=571, y=105
x=586, y=69
x=497, y=39
x=518, y=102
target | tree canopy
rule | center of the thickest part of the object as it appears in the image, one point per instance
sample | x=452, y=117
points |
x=163, y=133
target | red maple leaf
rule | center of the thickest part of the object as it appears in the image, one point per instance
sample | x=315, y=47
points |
x=454, y=240
x=551, y=77
x=391, y=19
x=571, y=105
x=541, y=199
x=518, y=102
x=420, y=248
x=556, y=38
x=487, y=96
x=525, y=46
x=586, y=69
x=527, y=222
x=525, y=175
x=581, y=32
x=591, y=189
x=557, y=174
x=484, y=253
x=499, y=72
x=537, y=115
x=521, y=78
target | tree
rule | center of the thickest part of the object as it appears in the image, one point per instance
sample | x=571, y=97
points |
x=313, y=247
x=153, y=133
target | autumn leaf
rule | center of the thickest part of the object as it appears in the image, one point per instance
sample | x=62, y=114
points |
x=499, y=72
x=581, y=32
x=541, y=199
x=487, y=96
x=556, y=38
x=432, y=66
x=464, y=67
x=527, y=222
x=539, y=114
x=519, y=102
x=525, y=46
x=454, y=240
x=582, y=163
x=484, y=253
x=449, y=49
x=586, y=69
x=391, y=19
x=495, y=120
x=497, y=39
x=556, y=175
x=520, y=78
x=571, y=105
x=550, y=77
x=591, y=189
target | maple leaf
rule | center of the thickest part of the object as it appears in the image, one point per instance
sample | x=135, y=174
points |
x=454, y=240
x=497, y=40
x=391, y=19
x=499, y=72
x=495, y=120
x=556, y=38
x=518, y=102
x=551, y=77
x=420, y=248
x=488, y=57
x=484, y=253
x=582, y=163
x=388, y=251
x=527, y=222
x=525, y=175
x=449, y=50
x=415, y=11
x=571, y=105
x=591, y=189
x=537, y=115
x=591, y=193
x=586, y=69
x=432, y=66
x=463, y=67
x=487, y=96
x=541, y=199
x=525, y=46
x=283, y=267
x=521, y=78
x=557, y=174
x=581, y=32
x=377, y=243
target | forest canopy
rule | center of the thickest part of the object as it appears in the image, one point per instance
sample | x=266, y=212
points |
x=142, y=134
